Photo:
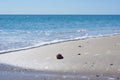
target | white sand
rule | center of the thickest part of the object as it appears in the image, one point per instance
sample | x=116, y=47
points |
x=97, y=55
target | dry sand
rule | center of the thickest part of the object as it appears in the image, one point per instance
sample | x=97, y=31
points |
x=89, y=56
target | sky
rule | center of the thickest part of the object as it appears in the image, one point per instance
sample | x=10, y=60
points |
x=60, y=7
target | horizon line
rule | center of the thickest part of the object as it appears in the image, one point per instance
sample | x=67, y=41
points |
x=55, y=14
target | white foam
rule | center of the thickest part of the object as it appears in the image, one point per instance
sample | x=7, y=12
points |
x=20, y=40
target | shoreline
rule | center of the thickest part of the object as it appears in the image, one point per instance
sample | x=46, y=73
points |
x=62, y=41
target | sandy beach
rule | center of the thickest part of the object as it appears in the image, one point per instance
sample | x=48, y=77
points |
x=99, y=55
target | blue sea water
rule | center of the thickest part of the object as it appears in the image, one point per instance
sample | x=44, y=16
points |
x=22, y=31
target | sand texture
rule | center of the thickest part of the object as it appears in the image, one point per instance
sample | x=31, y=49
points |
x=88, y=56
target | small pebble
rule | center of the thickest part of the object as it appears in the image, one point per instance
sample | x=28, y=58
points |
x=92, y=64
x=79, y=46
x=118, y=78
x=97, y=75
x=59, y=56
x=111, y=64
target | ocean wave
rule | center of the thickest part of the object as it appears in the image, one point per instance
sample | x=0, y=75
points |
x=53, y=42
x=17, y=39
x=81, y=30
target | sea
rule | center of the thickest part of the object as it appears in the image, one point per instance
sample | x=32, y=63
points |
x=27, y=31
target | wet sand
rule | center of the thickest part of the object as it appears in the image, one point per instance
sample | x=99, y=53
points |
x=81, y=59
